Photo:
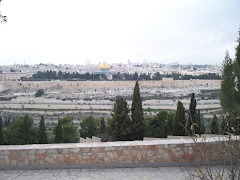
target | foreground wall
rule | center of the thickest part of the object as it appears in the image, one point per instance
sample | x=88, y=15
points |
x=108, y=154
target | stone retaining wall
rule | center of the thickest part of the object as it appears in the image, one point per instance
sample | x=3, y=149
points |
x=70, y=85
x=110, y=154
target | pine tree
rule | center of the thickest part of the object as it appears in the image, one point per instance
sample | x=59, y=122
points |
x=158, y=125
x=179, y=121
x=214, y=125
x=237, y=71
x=1, y=132
x=26, y=130
x=42, y=131
x=137, y=115
x=103, y=127
x=120, y=123
x=227, y=95
x=170, y=119
x=191, y=114
x=58, y=133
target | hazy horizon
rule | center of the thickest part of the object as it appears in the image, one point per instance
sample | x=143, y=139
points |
x=72, y=32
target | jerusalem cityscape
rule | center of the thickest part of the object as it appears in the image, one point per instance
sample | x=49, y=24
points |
x=137, y=90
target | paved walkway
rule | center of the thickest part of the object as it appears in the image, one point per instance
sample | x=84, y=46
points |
x=166, y=173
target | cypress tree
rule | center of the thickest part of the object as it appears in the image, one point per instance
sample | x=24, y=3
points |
x=26, y=130
x=120, y=123
x=227, y=95
x=58, y=135
x=1, y=132
x=237, y=71
x=179, y=121
x=137, y=115
x=102, y=127
x=170, y=119
x=158, y=125
x=191, y=114
x=42, y=131
x=214, y=125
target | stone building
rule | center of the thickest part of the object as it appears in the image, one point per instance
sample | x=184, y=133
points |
x=11, y=76
x=105, y=69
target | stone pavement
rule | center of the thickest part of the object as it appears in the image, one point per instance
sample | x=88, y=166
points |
x=165, y=173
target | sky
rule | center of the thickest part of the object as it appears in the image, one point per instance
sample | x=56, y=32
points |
x=115, y=31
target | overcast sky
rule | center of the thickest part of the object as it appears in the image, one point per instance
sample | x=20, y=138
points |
x=75, y=31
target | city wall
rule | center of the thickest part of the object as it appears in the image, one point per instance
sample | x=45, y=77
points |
x=171, y=152
x=71, y=85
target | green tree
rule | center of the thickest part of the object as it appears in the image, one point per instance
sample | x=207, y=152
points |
x=214, y=125
x=1, y=131
x=147, y=121
x=237, y=72
x=65, y=131
x=58, y=132
x=15, y=132
x=42, y=132
x=227, y=95
x=69, y=133
x=158, y=125
x=39, y=93
x=120, y=123
x=103, y=128
x=179, y=121
x=89, y=126
x=137, y=115
x=170, y=119
x=26, y=130
x=193, y=124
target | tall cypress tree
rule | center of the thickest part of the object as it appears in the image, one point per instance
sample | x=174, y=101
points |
x=179, y=122
x=1, y=131
x=42, y=131
x=58, y=135
x=214, y=125
x=237, y=71
x=120, y=123
x=137, y=115
x=227, y=95
x=191, y=114
x=26, y=130
x=103, y=127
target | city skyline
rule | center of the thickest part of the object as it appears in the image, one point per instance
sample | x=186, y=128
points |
x=164, y=32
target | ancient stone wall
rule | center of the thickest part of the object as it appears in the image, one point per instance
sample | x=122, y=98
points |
x=71, y=85
x=110, y=154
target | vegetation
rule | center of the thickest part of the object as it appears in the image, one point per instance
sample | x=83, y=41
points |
x=26, y=130
x=53, y=75
x=65, y=131
x=214, y=125
x=120, y=123
x=194, y=122
x=39, y=93
x=179, y=121
x=58, y=132
x=42, y=132
x=103, y=128
x=89, y=127
x=137, y=115
x=21, y=132
x=157, y=126
x=230, y=90
x=1, y=131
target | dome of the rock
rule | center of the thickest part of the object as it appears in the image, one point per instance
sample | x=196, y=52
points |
x=104, y=66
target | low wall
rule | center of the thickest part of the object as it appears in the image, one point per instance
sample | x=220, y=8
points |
x=108, y=154
x=72, y=85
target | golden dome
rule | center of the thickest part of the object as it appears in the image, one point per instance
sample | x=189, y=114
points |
x=104, y=66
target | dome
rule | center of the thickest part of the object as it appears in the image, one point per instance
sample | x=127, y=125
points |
x=104, y=66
